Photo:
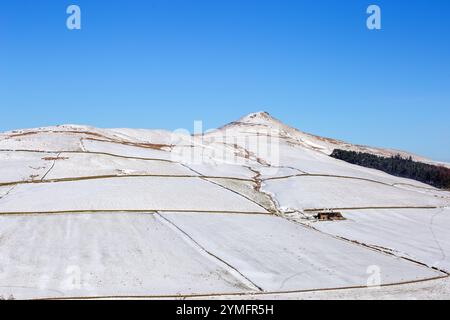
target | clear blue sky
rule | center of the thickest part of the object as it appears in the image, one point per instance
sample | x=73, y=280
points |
x=165, y=63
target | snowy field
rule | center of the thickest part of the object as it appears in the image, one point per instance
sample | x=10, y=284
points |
x=126, y=193
x=424, y=234
x=20, y=166
x=125, y=150
x=85, y=165
x=278, y=255
x=88, y=212
x=104, y=254
x=311, y=192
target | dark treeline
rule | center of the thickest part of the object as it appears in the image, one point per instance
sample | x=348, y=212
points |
x=436, y=176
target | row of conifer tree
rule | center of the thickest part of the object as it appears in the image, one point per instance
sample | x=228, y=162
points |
x=436, y=176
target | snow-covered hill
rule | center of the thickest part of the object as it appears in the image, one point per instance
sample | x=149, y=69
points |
x=88, y=212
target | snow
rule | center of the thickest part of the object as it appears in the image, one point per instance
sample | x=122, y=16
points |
x=317, y=192
x=4, y=190
x=223, y=170
x=81, y=165
x=261, y=120
x=279, y=255
x=426, y=190
x=271, y=172
x=105, y=254
x=47, y=141
x=424, y=232
x=125, y=150
x=149, y=212
x=437, y=289
x=313, y=162
x=126, y=193
x=143, y=135
x=20, y=166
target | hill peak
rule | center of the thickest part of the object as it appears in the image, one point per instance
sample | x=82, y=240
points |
x=260, y=117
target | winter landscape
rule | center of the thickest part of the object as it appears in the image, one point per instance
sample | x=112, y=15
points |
x=244, y=211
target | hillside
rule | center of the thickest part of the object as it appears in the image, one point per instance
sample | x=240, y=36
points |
x=89, y=212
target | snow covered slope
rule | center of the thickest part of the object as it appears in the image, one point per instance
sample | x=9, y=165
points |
x=88, y=212
x=325, y=145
